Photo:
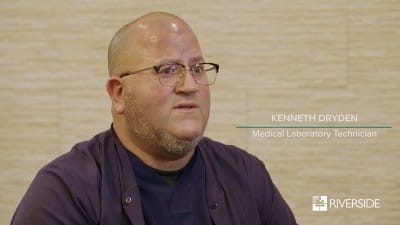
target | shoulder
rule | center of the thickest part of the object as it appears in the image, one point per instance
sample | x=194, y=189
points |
x=82, y=159
x=232, y=165
x=228, y=155
x=79, y=169
x=72, y=179
x=237, y=171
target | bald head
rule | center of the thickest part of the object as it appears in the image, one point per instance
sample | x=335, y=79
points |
x=141, y=38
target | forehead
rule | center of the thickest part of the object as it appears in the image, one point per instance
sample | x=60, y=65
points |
x=166, y=40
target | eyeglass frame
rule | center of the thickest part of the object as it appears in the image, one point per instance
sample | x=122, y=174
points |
x=157, y=70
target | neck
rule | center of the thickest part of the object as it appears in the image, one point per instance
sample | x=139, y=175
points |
x=147, y=155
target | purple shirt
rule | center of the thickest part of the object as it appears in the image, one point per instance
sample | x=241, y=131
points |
x=94, y=183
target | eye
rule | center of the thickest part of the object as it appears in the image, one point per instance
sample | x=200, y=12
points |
x=169, y=69
x=198, y=69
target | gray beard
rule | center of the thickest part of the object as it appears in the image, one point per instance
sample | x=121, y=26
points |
x=153, y=136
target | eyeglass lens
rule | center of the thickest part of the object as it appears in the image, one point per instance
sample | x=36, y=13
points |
x=203, y=73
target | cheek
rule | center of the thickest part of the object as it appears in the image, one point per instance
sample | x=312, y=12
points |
x=158, y=103
x=205, y=101
x=150, y=99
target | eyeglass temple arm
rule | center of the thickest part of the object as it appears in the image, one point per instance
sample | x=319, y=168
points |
x=216, y=67
x=137, y=71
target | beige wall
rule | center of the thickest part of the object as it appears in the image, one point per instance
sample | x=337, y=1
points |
x=308, y=56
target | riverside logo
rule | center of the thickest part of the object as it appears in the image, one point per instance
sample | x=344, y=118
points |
x=321, y=203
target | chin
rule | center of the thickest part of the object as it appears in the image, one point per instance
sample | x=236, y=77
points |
x=189, y=137
x=188, y=134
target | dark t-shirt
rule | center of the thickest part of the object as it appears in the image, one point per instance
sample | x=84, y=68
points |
x=168, y=204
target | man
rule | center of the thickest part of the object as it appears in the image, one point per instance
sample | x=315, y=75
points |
x=153, y=167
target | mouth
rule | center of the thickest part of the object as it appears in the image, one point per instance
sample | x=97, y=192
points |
x=186, y=106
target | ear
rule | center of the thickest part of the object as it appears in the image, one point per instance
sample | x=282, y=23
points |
x=115, y=90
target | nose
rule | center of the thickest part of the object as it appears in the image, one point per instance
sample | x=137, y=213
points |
x=187, y=84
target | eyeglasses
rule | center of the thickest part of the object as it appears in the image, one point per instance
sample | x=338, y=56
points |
x=171, y=74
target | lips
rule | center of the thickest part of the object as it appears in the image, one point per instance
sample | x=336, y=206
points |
x=186, y=105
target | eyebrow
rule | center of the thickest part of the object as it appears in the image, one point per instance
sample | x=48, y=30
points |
x=191, y=61
x=196, y=59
